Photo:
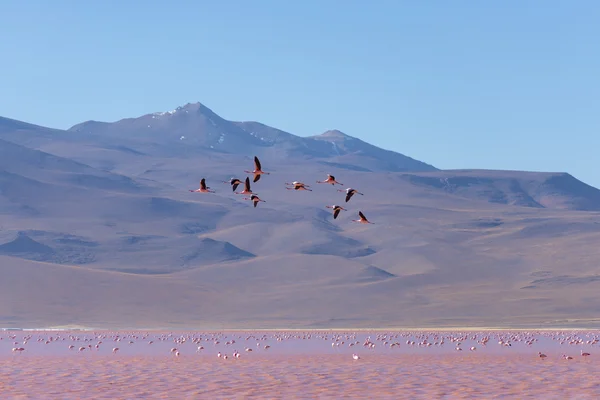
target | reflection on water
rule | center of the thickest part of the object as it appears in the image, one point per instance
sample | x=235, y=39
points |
x=299, y=365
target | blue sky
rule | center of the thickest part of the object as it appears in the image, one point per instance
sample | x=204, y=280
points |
x=459, y=84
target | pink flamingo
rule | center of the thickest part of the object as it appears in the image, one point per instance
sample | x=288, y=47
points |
x=331, y=180
x=257, y=170
x=255, y=199
x=336, y=210
x=363, y=219
x=247, y=189
x=349, y=193
x=234, y=182
x=203, y=188
x=298, y=186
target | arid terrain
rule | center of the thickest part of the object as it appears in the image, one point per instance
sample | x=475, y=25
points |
x=300, y=365
x=98, y=228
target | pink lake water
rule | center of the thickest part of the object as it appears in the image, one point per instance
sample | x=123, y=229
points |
x=299, y=365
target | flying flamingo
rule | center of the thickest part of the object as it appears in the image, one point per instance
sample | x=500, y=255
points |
x=255, y=199
x=349, y=193
x=203, y=188
x=234, y=182
x=331, y=180
x=584, y=354
x=247, y=189
x=363, y=219
x=298, y=186
x=257, y=170
x=336, y=210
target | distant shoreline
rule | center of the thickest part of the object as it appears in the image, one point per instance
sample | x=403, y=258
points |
x=283, y=329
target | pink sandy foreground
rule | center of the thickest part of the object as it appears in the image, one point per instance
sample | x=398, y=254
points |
x=144, y=367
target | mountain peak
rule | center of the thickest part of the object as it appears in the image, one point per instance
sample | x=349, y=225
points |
x=332, y=134
x=196, y=107
x=195, y=124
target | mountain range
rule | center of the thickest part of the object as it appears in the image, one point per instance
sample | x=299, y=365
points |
x=98, y=228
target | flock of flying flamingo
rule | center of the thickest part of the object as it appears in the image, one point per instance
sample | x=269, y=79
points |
x=258, y=171
x=222, y=343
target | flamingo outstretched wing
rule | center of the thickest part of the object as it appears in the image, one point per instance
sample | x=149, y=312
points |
x=349, y=195
x=336, y=213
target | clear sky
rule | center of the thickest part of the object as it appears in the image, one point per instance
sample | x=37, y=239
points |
x=511, y=84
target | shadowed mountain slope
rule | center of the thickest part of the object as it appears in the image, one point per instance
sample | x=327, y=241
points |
x=529, y=189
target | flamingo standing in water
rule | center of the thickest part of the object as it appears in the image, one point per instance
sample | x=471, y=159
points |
x=234, y=182
x=247, y=189
x=257, y=170
x=336, y=210
x=331, y=180
x=298, y=186
x=255, y=199
x=349, y=193
x=203, y=188
x=363, y=219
